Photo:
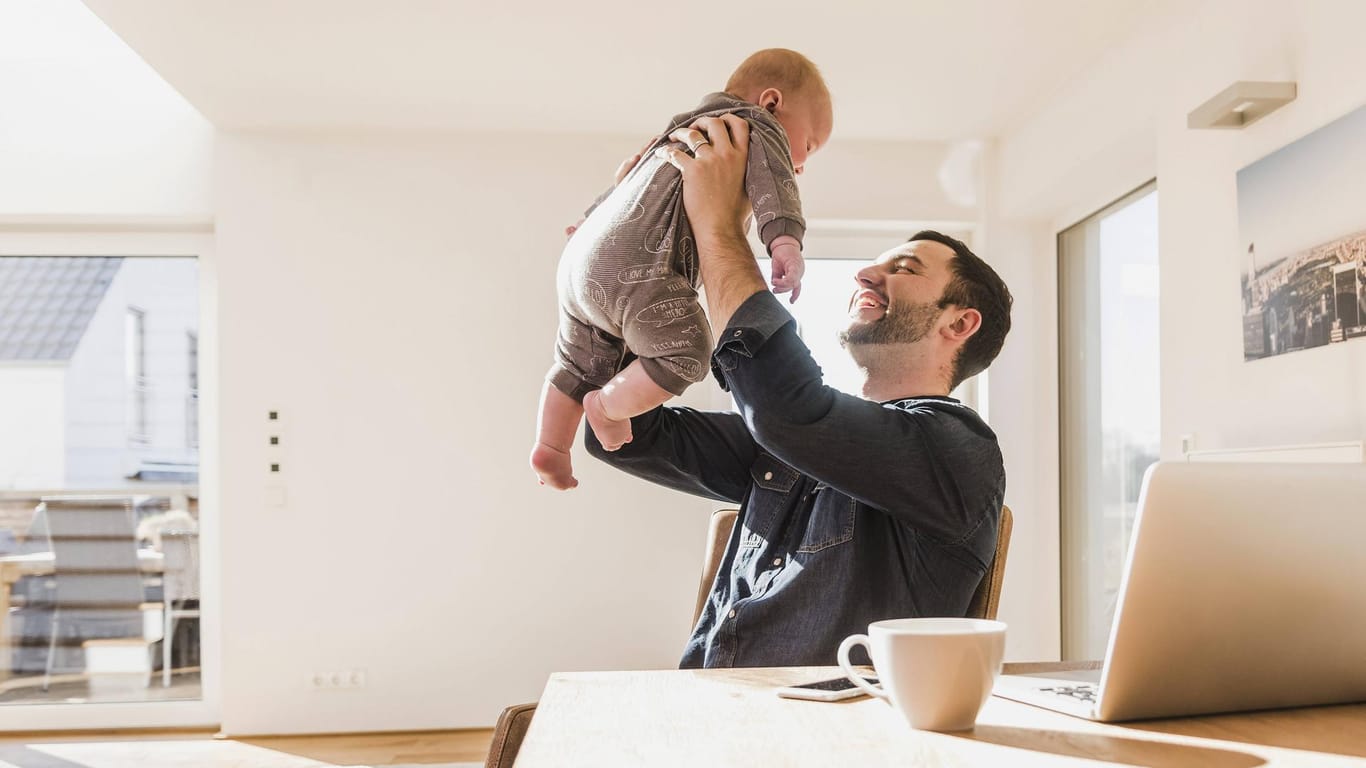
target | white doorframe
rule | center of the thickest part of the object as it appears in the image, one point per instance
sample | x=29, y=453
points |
x=134, y=237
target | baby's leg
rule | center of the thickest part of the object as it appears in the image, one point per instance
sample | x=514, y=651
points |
x=671, y=337
x=630, y=393
x=555, y=429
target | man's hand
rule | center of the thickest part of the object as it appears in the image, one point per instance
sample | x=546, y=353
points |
x=714, y=175
x=717, y=206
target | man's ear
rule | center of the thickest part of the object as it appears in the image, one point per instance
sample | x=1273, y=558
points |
x=965, y=323
x=771, y=99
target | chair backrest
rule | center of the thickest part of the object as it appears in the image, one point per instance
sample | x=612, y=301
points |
x=94, y=551
x=988, y=595
x=984, y=602
x=180, y=580
x=718, y=533
x=508, y=735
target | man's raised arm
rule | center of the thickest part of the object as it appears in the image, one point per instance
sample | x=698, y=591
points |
x=714, y=196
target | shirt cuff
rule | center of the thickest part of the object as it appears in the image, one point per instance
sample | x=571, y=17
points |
x=751, y=326
x=781, y=226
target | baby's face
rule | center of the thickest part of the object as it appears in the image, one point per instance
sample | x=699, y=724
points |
x=808, y=121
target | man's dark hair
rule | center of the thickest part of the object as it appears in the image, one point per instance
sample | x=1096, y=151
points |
x=974, y=285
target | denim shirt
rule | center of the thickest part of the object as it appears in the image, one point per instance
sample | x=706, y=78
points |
x=851, y=511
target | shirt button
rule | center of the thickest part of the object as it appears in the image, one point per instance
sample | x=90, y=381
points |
x=777, y=561
x=768, y=475
x=732, y=613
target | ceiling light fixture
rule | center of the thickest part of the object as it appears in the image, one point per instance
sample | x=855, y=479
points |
x=1241, y=104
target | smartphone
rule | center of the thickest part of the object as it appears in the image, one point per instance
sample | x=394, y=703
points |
x=835, y=689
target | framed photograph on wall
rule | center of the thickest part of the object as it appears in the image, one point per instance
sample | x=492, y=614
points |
x=1302, y=233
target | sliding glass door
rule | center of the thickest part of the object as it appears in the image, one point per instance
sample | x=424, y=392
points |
x=1108, y=389
x=99, y=479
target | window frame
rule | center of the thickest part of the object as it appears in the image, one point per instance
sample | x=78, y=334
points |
x=1068, y=493
x=135, y=237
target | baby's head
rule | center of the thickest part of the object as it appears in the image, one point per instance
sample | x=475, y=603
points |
x=788, y=85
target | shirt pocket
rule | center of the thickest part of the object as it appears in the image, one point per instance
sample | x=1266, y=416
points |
x=831, y=523
x=769, y=496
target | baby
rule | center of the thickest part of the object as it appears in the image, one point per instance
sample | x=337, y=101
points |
x=628, y=276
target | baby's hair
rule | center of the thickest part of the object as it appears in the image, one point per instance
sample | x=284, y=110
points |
x=779, y=68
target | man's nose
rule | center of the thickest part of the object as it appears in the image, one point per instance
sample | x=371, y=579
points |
x=869, y=276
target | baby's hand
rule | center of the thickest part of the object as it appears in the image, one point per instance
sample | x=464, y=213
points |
x=788, y=268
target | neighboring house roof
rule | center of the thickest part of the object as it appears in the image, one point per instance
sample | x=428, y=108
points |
x=46, y=303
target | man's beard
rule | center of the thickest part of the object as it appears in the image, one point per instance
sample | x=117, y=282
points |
x=900, y=324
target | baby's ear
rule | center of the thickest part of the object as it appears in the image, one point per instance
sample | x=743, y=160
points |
x=770, y=99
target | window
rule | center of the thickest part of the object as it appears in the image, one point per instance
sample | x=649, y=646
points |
x=192, y=395
x=135, y=372
x=1108, y=409
x=826, y=288
x=99, y=497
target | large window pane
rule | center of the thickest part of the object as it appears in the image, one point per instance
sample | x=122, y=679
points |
x=99, y=471
x=1109, y=383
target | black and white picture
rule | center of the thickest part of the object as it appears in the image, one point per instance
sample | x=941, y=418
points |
x=1302, y=229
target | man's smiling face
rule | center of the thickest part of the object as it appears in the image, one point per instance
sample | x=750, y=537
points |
x=897, y=300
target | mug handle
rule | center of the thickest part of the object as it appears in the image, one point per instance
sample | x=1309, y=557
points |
x=854, y=677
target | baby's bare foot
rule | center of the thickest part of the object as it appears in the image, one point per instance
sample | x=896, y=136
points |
x=553, y=467
x=612, y=433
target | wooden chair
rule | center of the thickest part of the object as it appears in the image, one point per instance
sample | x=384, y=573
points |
x=718, y=533
x=988, y=595
x=508, y=735
x=984, y=601
x=513, y=723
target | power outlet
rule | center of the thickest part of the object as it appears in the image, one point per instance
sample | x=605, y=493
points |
x=338, y=680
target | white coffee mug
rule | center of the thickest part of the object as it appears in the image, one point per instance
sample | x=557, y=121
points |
x=936, y=672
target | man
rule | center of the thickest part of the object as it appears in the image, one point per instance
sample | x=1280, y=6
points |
x=852, y=509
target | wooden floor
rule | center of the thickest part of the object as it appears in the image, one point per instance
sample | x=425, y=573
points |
x=158, y=749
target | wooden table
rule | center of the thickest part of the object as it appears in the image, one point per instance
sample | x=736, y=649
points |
x=15, y=567
x=732, y=717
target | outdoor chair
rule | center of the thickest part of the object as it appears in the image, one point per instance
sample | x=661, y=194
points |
x=97, y=584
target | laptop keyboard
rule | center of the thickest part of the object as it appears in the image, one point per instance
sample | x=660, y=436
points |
x=1083, y=692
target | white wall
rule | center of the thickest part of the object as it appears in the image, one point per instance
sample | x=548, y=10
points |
x=1308, y=397
x=1022, y=402
x=88, y=128
x=1124, y=122
x=394, y=298
x=31, y=415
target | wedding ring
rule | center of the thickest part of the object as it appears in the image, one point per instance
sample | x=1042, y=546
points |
x=694, y=147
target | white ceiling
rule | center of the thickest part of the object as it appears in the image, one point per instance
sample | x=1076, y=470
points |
x=908, y=69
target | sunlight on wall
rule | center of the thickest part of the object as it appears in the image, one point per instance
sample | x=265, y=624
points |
x=89, y=127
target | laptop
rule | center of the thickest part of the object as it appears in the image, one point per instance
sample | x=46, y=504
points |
x=1244, y=588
